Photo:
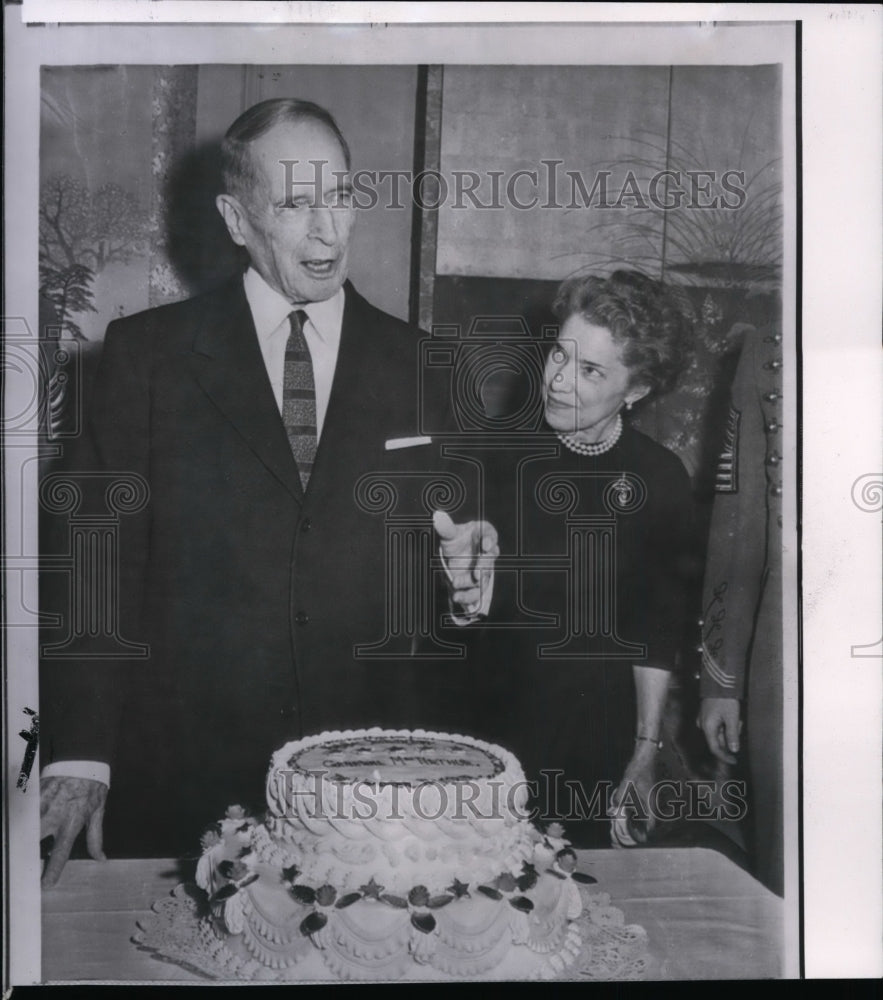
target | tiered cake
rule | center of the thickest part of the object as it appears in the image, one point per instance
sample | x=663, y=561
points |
x=392, y=855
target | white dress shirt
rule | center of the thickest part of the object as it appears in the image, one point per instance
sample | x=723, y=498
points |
x=270, y=312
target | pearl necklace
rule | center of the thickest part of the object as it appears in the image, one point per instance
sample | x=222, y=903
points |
x=597, y=448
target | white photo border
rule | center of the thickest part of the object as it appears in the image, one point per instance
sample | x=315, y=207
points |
x=840, y=282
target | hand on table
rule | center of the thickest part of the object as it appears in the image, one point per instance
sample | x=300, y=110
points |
x=469, y=550
x=631, y=819
x=719, y=721
x=67, y=805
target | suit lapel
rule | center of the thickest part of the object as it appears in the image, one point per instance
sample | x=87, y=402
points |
x=228, y=365
x=353, y=391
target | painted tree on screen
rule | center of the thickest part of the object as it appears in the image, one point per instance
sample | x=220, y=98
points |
x=81, y=232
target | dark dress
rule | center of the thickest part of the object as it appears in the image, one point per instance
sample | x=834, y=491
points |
x=602, y=547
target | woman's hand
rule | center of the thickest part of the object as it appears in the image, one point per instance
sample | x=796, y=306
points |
x=632, y=821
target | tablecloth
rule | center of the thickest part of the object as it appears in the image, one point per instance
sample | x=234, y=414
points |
x=705, y=917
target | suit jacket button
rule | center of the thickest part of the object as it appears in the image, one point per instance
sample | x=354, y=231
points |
x=306, y=524
x=302, y=618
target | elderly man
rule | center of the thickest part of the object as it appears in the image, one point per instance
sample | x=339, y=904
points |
x=255, y=571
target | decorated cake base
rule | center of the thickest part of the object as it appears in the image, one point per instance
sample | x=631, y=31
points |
x=390, y=855
x=177, y=931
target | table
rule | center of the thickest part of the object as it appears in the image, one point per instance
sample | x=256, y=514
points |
x=705, y=917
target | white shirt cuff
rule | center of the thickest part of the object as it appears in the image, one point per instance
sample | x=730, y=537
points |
x=95, y=770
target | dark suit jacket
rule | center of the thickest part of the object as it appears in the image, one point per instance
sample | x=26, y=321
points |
x=250, y=595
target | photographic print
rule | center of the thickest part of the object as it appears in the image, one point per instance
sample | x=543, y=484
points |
x=406, y=553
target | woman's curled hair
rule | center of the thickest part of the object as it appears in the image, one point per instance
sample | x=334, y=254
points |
x=650, y=322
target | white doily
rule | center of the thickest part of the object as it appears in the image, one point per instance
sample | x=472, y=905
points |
x=178, y=930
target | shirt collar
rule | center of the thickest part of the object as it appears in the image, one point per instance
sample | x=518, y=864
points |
x=269, y=309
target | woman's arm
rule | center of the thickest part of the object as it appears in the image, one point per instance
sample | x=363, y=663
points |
x=669, y=571
x=651, y=688
x=631, y=817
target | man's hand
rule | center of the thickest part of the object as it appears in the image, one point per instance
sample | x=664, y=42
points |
x=469, y=551
x=631, y=820
x=66, y=806
x=719, y=720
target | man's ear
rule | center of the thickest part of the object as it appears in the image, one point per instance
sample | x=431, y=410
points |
x=234, y=216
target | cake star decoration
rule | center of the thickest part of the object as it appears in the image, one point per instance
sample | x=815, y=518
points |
x=459, y=889
x=371, y=890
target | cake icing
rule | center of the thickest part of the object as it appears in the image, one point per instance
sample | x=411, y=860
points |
x=393, y=854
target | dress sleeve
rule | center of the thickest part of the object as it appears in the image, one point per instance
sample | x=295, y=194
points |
x=673, y=564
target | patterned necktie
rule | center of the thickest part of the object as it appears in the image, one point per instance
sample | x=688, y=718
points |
x=299, y=398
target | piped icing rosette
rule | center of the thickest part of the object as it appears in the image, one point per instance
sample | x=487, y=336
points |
x=410, y=807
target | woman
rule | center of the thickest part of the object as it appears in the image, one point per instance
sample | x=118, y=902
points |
x=601, y=531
